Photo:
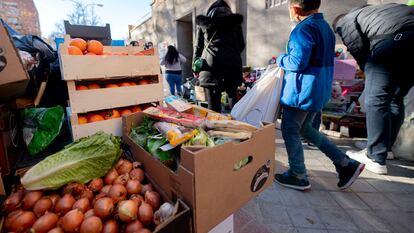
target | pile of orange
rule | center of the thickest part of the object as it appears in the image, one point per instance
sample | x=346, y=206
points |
x=112, y=85
x=110, y=114
x=79, y=46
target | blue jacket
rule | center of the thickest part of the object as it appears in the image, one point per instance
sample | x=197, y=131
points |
x=308, y=65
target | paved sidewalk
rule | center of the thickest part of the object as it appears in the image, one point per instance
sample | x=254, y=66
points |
x=374, y=203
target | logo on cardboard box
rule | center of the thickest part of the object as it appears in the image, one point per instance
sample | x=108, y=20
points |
x=261, y=176
x=3, y=61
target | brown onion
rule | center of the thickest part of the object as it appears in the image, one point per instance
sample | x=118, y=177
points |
x=153, y=198
x=103, y=207
x=42, y=206
x=127, y=211
x=82, y=205
x=133, y=187
x=97, y=197
x=30, y=199
x=110, y=176
x=54, y=198
x=23, y=222
x=72, y=221
x=144, y=230
x=106, y=189
x=76, y=189
x=138, y=199
x=56, y=230
x=87, y=194
x=134, y=227
x=11, y=217
x=89, y=213
x=137, y=174
x=96, y=185
x=122, y=179
x=91, y=225
x=145, y=213
x=45, y=223
x=64, y=204
x=118, y=193
x=145, y=188
x=123, y=167
x=13, y=201
x=110, y=226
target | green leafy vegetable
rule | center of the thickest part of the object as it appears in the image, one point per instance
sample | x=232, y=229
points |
x=200, y=139
x=81, y=161
x=143, y=131
x=154, y=145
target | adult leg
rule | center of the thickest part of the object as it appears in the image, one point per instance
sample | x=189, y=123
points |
x=178, y=84
x=214, y=98
x=171, y=83
x=316, y=123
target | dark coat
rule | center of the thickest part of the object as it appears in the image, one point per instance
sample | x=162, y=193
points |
x=223, y=65
x=361, y=28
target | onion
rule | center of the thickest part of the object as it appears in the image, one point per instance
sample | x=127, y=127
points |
x=72, y=221
x=91, y=225
x=103, y=207
x=145, y=188
x=23, y=222
x=30, y=199
x=118, y=193
x=106, y=189
x=133, y=187
x=54, y=198
x=82, y=205
x=138, y=199
x=110, y=226
x=64, y=204
x=96, y=185
x=87, y=193
x=45, y=223
x=89, y=213
x=42, y=206
x=13, y=201
x=137, y=174
x=127, y=211
x=76, y=189
x=153, y=198
x=137, y=164
x=123, y=167
x=110, y=176
x=144, y=230
x=56, y=230
x=145, y=213
x=99, y=196
x=122, y=179
x=134, y=227
x=11, y=217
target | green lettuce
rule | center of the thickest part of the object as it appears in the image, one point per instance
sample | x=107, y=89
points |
x=81, y=161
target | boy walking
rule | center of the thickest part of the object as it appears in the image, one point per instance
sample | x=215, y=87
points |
x=307, y=85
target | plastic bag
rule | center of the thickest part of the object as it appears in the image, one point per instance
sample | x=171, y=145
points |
x=40, y=127
x=261, y=102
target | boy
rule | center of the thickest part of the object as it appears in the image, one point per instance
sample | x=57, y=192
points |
x=307, y=85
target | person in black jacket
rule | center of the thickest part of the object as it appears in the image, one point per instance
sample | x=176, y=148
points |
x=220, y=42
x=381, y=39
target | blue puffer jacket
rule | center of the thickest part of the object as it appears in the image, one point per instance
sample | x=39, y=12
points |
x=308, y=65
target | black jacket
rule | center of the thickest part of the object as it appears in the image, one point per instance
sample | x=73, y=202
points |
x=360, y=27
x=223, y=61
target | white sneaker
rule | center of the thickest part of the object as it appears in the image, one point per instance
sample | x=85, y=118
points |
x=362, y=145
x=370, y=165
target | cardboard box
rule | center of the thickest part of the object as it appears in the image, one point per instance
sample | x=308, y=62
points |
x=13, y=76
x=227, y=226
x=206, y=179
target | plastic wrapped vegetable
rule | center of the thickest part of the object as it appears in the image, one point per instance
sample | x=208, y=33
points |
x=200, y=139
x=175, y=134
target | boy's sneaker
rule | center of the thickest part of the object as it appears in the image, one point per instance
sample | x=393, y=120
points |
x=311, y=146
x=290, y=181
x=371, y=165
x=347, y=175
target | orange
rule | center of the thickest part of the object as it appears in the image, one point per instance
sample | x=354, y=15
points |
x=82, y=120
x=132, y=84
x=94, y=86
x=95, y=117
x=78, y=42
x=125, y=84
x=95, y=47
x=136, y=109
x=112, y=114
x=90, y=54
x=125, y=112
x=111, y=85
x=81, y=87
x=144, y=82
x=73, y=50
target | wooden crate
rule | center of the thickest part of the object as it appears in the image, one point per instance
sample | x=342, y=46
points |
x=113, y=126
x=108, y=98
x=75, y=67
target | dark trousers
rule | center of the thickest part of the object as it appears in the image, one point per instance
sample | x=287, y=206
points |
x=214, y=97
x=389, y=78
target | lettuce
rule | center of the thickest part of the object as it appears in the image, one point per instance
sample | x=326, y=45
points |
x=81, y=161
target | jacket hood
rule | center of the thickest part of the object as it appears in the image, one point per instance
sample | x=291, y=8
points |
x=217, y=4
x=226, y=21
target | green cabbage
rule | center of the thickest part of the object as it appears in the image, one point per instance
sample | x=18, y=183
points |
x=81, y=161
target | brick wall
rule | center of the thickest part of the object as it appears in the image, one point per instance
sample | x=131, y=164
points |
x=21, y=15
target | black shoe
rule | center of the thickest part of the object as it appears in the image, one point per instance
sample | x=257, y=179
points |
x=347, y=175
x=290, y=181
x=311, y=146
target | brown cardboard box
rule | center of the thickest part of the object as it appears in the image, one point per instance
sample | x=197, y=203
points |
x=206, y=179
x=13, y=77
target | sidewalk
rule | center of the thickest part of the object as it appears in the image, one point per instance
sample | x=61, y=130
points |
x=374, y=203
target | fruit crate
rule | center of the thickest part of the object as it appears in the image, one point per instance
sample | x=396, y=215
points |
x=116, y=62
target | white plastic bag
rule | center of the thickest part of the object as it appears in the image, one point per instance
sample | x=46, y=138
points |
x=261, y=102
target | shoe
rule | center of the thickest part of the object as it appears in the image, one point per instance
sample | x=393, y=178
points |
x=290, y=181
x=370, y=165
x=347, y=175
x=390, y=156
x=311, y=146
x=361, y=145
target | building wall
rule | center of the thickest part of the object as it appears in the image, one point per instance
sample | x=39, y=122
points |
x=21, y=15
